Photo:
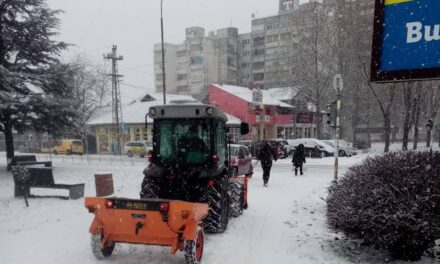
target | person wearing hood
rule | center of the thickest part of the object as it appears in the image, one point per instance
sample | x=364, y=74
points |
x=266, y=155
x=298, y=159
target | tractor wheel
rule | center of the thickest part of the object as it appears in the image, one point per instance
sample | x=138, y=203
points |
x=149, y=188
x=194, y=249
x=98, y=252
x=237, y=203
x=217, y=198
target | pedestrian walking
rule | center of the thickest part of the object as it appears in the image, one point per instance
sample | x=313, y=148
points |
x=298, y=159
x=266, y=156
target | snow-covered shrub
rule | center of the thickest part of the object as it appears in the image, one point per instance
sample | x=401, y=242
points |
x=390, y=202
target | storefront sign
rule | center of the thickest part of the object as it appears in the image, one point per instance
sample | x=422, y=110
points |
x=406, y=40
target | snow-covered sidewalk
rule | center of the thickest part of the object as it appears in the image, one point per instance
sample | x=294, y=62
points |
x=285, y=222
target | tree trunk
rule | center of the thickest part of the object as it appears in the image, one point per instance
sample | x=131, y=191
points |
x=407, y=96
x=9, y=140
x=387, y=134
x=416, y=125
x=428, y=137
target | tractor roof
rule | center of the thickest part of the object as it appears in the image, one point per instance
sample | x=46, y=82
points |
x=186, y=110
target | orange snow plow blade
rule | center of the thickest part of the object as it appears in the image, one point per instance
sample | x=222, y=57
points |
x=146, y=221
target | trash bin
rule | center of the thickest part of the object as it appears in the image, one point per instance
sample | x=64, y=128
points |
x=104, y=184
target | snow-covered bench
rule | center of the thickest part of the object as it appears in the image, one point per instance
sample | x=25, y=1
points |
x=28, y=160
x=42, y=177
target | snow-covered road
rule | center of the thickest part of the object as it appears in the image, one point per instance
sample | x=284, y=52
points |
x=285, y=222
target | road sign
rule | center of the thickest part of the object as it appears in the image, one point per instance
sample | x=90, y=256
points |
x=406, y=40
x=337, y=82
x=124, y=128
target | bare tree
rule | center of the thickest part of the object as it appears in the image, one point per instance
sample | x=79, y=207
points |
x=91, y=88
x=314, y=56
x=432, y=104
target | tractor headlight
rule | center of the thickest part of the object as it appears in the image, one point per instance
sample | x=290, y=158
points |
x=209, y=111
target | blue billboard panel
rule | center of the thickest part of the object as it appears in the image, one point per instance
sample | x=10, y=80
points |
x=406, y=40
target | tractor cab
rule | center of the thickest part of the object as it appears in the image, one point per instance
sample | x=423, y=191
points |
x=188, y=135
x=189, y=161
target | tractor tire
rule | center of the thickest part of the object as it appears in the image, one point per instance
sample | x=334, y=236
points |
x=237, y=199
x=217, y=198
x=98, y=252
x=149, y=188
x=194, y=249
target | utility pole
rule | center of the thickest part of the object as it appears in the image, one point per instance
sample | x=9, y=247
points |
x=338, y=85
x=116, y=102
x=163, y=56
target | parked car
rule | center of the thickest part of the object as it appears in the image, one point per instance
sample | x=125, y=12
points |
x=253, y=146
x=140, y=148
x=314, y=147
x=344, y=149
x=281, y=147
x=68, y=146
x=240, y=160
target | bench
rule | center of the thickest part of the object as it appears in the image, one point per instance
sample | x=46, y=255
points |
x=28, y=160
x=42, y=177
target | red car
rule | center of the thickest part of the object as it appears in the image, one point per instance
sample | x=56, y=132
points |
x=240, y=160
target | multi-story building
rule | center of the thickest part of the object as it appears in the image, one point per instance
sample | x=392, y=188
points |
x=198, y=61
x=271, y=46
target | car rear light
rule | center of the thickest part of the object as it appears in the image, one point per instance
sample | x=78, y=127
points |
x=109, y=204
x=150, y=156
x=215, y=157
x=210, y=183
x=164, y=207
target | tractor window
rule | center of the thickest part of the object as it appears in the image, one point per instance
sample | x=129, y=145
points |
x=183, y=141
x=220, y=141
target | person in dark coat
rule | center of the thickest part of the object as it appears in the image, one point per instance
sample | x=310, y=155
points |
x=298, y=159
x=267, y=154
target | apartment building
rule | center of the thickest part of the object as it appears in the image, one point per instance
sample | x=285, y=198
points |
x=198, y=61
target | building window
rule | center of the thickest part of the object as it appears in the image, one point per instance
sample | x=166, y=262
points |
x=258, y=65
x=145, y=135
x=181, y=53
x=258, y=41
x=182, y=89
x=245, y=65
x=196, y=60
x=246, y=53
x=258, y=76
x=258, y=52
x=181, y=77
x=137, y=134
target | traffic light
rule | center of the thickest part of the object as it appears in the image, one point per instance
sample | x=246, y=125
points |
x=331, y=114
x=429, y=124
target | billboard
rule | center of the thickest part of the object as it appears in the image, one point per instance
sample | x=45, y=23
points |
x=406, y=40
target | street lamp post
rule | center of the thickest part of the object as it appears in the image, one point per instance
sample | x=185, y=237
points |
x=338, y=85
x=163, y=54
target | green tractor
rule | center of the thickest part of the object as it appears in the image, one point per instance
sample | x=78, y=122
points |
x=189, y=161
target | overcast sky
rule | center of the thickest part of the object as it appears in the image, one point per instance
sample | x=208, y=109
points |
x=134, y=25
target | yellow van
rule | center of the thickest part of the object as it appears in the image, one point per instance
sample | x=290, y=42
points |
x=68, y=146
